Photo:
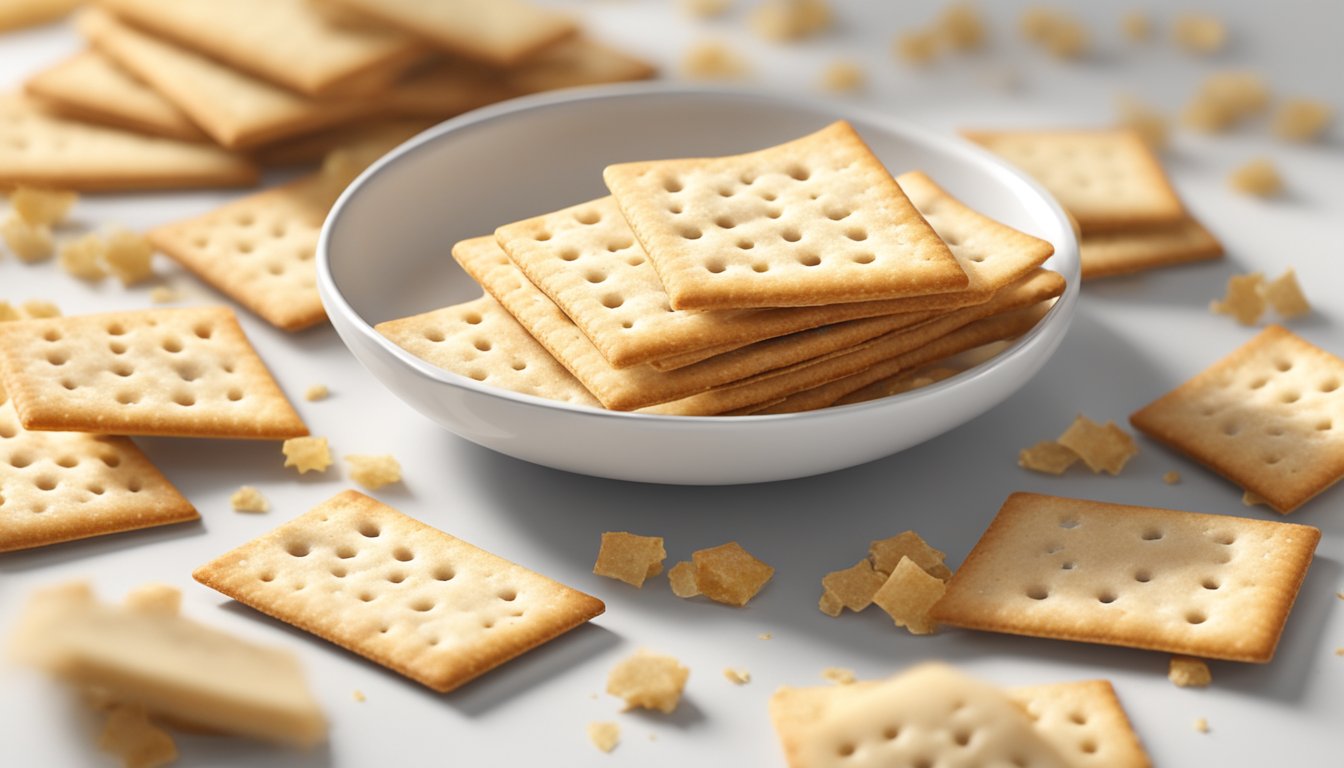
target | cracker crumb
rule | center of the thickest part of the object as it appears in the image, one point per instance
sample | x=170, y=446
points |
x=1301, y=119
x=1201, y=725
x=887, y=553
x=712, y=60
x=1251, y=499
x=1061, y=34
x=1259, y=177
x=1151, y=125
x=787, y=20
x=729, y=574
x=771, y=636
x=8, y=313
x=839, y=675
x=961, y=26
x=682, y=578
x=129, y=734
x=1101, y=447
x=908, y=595
x=737, y=676
x=83, y=257
x=373, y=472
x=29, y=242
x=842, y=77
x=162, y=294
x=155, y=599
x=1137, y=26
x=830, y=605
x=1244, y=301
x=1199, y=33
x=248, y=499
x=918, y=46
x=1339, y=651
x=648, y=680
x=359, y=696
x=1189, y=672
x=1046, y=456
x=1340, y=595
x=604, y=735
x=629, y=557
x=852, y=587
x=37, y=308
x=42, y=207
x=1171, y=478
x=129, y=256
x=1284, y=294
x=307, y=454
x=316, y=392
x=1224, y=99
x=705, y=9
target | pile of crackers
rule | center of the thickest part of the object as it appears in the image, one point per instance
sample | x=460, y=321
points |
x=776, y=281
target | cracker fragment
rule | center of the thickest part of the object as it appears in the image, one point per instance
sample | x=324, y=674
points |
x=1268, y=417
x=248, y=499
x=1258, y=177
x=307, y=454
x=962, y=27
x=407, y=596
x=705, y=9
x=1301, y=119
x=1284, y=294
x=790, y=20
x=1047, y=456
x=682, y=578
x=83, y=257
x=37, y=308
x=842, y=77
x=854, y=586
x=1101, y=447
x=31, y=243
x=38, y=206
x=129, y=734
x=1137, y=26
x=916, y=46
x=604, y=735
x=1150, y=124
x=729, y=574
x=163, y=294
x=1058, y=33
x=1189, y=672
x=713, y=60
x=1211, y=586
x=316, y=392
x=630, y=558
x=888, y=553
x=128, y=256
x=839, y=675
x=648, y=680
x=908, y=595
x=373, y=472
x=737, y=675
x=1225, y=99
x=1245, y=298
x=1171, y=477
x=1201, y=724
x=158, y=599
x=1200, y=33
x=830, y=604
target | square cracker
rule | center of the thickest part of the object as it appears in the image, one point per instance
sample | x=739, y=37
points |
x=61, y=486
x=425, y=604
x=479, y=339
x=817, y=220
x=1269, y=417
x=43, y=150
x=1108, y=179
x=185, y=372
x=235, y=109
x=284, y=41
x=90, y=87
x=1211, y=586
x=499, y=32
x=1134, y=250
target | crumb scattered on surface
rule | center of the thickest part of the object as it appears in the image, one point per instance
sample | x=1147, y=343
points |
x=1059, y=33
x=916, y=46
x=1201, y=725
x=307, y=454
x=648, y=680
x=316, y=392
x=729, y=574
x=42, y=207
x=359, y=696
x=1225, y=99
x=604, y=735
x=1244, y=301
x=838, y=675
x=630, y=558
x=129, y=256
x=1150, y=124
x=162, y=294
x=1137, y=26
x=908, y=595
x=961, y=27
x=712, y=60
x=705, y=9
x=1172, y=477
x=1102, y=447
x=1258, y=178
x=1189, y=672
x=887, y=554
x=842, y=77
x=1199, y=33
x=29, y=242
x=737, y=676
x=1301, y=119
x=37, y=308
x=851, y=587
x=1284, y=294
x=787, y=20
x=373, y=472
x=771, y=636
x=248, y=499
x=1046, y=456
x=682, y=578
x=129, y=734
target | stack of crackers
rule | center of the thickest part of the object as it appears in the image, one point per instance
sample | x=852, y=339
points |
x=770, y=282
x=1128, y=215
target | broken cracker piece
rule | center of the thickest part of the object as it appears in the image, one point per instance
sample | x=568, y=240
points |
x=839, y=675
x=83, y=257
x=961, y=26
x=604, y=735
x=359, y=696
x=1171, y=478
x=729, y=574
x=1245, y=298
x=682, y=578
x=630, y=558
x=162, y=294
x=887, y=553
x=830, y=605
x=248, y=499
x=1199, y=33
x=1101, y=447
x=852, y=587
x=37, y=309
x=907, y=596
x=737, y=676
x=648, y=680
x=712, y=60
x=1301, y=119
x=1189, y=672
x=157, y=599
x=1202, y=725
x=316, y=392
x=42, y=207
x=1284, y=294
x=705, y=9
x=917, y=46
x=129, y=734
x=1259, y=177
x=786, y=20
x=842, y=76
x=27, y=241
x=1047, y=456
x=373, y=472
x=129, y=256
x=307, y=454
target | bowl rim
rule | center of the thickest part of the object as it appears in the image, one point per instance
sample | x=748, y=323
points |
x=1036, y=200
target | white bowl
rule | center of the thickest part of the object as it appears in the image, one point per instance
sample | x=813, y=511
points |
x=384, y=254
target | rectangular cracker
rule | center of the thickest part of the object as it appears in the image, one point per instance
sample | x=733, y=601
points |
x=311, y=149
x=234, y=108
x=1269, y=417
x=90, y=87
x=174, y=667
x=186, y=372
x=286, y=42
x=425, y=604
x=1038, y=287
x=40, y=149
x=576, y=62
x=479, y=339
x=1135, y=250
x=1108, y=179
x=1212, y=586
x=817, y=220
x=442, y=90
x=17, y=14
x=62, y=486
x=502, y=33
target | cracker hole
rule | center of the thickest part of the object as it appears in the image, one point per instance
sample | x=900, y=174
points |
x=618, y=245
x=1274, y=431
x=799, y=173
x=542, y=236
x=276, y=268
x=715, y=266
x=1210, y=584
x=1196, y=617
x=172, y=345
x=184, y=399
x=809, y=260
x=1051, y=549
x=383, y=630
x=769, y=197
x=1089, y=746
x=58, y=358
x=773, y=213
x=52, y=334
x=246, y=247
x=67, y=462
x=369, y=530
x=487, y=624
x=627, y=324
x=760, y=266
x=7, y=431
x=1329, y=385
x=345, y=553
x=1069, y=523
x=96, y=489
x=691, y=233
x=675, y=208
x=1151, y=534
x=508, y=595
x=724, y=222
x=726, y=192
x=891, y=732
x=745, y=245
x=588, y=216
x=845, y=750
x=338, y=571
x=20, y=460
x=478, y=375
x=791, y=235
x=112, y=460
x=1290, y=396
x=234, y=395
x=864, y=258
x=1259, y=382
x=922, y=762
x=747, y=178
x=444, y=573
x=422, y=604
x=672, y=184
x=837, y=214
x=1143, y=577
x=45, y=483
x=857, y=234
x=595, y=277
x=297, y=549
x=123, y=370
x=69, y=384
x=518, y=365
x=403, y=554
x=128, y=398
x=1324, y=425
x=1231, y=428
x=434, y=335
x=1106, y=598
x=1067, y=565
x=366, y=597
x=569, y=254
x=635, y=261
x=473, y=319
x=612, y=301
x=116, y=329
x=482, y=344
x=1283, y=366
x=1272, y=458
x=1225, y=538
x=1038, y=592
x=267, y=577
x=396, y=577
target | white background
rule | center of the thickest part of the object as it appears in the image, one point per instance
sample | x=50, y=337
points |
x=1133, y=339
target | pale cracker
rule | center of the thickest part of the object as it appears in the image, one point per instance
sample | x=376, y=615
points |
x=29, y=242
x=42, y=206
x=825, y=221
x=284, y=41
x=929, y=714
x=237, y=110
x=576, y=62
x=43, y=150
x=1212, y=586
x=1108, y=179
x=502, y=33
x=604, y=735
x=60, y=486
x=1134, y=250
x=373, y=472
x=412, y=598
x=480, y=340
x=186, y=372
x=649, y=680
x=307, y=454
x=172, y=666
x=1269, y=417
x=88, y=86
x=17, y=14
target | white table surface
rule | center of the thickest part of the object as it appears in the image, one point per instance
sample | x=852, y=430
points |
x=1133, y=339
